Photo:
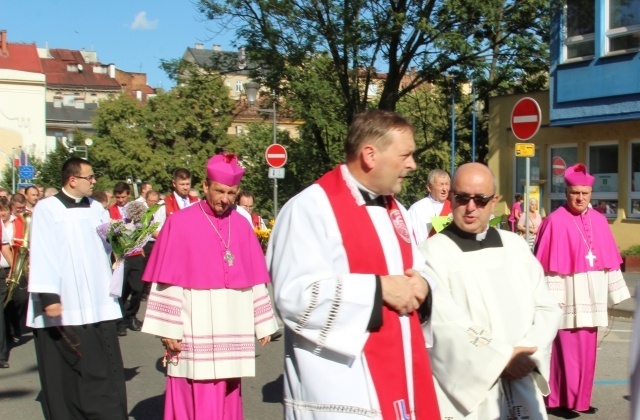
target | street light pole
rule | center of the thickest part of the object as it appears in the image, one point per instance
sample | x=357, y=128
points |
x=251, y=90
x=453, y=125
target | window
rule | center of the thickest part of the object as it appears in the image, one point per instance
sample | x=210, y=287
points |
x=521, y=173
x=579, y=29
x=68, y=100
x=634, y=195
x=623, y=25
x=239, y=87
x=603, y=165
x=561, y=158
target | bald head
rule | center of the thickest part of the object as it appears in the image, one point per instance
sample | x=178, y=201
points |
x=473, y=197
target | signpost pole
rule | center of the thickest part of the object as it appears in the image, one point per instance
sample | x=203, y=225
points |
x=275, y=180
x=526, y=197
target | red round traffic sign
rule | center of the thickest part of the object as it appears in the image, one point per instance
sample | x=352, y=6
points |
x=276, y=155
x=526, y=118
x=558, y=166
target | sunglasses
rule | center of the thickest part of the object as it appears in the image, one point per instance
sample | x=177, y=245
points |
x=479, y=200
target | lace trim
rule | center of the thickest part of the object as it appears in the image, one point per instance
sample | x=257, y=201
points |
x=331, y=408
x=333, y=312
x=351, y=185
x=584, y=308
x=304, y=320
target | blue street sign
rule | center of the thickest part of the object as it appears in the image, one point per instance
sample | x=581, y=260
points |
x=26, y=172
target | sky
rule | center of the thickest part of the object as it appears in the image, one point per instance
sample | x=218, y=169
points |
x=132, y=34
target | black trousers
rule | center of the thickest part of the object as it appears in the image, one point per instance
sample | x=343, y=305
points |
x=4, y=351
x=16, y=310
x=81, y=372
x=132, y=287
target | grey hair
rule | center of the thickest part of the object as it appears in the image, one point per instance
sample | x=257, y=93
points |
x=533, y=200
x=436, y=173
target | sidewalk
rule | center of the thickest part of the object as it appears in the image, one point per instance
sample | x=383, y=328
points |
x=626, y=308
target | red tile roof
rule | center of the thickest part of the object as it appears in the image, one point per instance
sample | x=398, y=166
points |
x=57, y=74
x=23, y=57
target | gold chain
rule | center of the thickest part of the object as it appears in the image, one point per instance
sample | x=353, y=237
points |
x=226, y=246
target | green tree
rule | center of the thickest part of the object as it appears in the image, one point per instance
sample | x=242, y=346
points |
x=412, y=42
x=180, y=128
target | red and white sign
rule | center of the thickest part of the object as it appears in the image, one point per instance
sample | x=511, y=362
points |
x=526, y=118
x=276, y=155
x=558, y=166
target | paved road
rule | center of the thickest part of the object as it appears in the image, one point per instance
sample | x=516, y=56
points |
x=19, y=385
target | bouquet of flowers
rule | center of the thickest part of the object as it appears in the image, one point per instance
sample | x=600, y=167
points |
x=263, y=234
x=127, y=236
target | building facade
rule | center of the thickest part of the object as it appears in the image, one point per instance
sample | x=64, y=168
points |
x=22, y=101
x=591, y=114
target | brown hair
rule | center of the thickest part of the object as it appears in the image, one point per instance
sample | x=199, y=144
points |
x=373, y=127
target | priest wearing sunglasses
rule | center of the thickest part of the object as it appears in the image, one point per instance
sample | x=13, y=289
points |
x=494, y=318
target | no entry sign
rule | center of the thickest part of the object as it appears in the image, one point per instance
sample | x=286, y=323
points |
x=276, y=155
x=526, y=118
x=558, y=166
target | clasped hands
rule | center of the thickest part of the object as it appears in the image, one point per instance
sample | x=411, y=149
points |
x=404, y=293
x=521, y=364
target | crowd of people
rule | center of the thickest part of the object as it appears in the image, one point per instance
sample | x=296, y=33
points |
x=387, y=314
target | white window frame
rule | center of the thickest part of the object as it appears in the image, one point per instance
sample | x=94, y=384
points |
x=575, y=40
x=239, y=86
x=605, y=195
x=618, y=32
x=633, y=195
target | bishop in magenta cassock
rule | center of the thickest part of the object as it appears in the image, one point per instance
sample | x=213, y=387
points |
x=209, y=300
x=582, y=265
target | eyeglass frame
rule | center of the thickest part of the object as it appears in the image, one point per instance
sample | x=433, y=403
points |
x=463, y=199
x=86, y=178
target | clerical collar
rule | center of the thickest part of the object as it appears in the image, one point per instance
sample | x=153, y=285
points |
x=370, y=198
x=71, y=202
x=473, y=241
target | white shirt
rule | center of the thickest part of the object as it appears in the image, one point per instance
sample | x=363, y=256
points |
x=421, y=213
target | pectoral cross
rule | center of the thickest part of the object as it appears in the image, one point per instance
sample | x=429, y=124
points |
x=591, y=258
x=228, y=257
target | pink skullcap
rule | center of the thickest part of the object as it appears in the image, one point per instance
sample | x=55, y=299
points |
x=224, y=168
x=578, y=175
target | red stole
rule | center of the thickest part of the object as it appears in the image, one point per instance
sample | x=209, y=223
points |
x=171, y=204
x=255, y=220
x=446, y=210
x=18, y=233
x=384, y=349
x=114, y=212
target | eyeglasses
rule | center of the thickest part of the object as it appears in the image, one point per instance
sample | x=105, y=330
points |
x=88, y=178
x=479, y=200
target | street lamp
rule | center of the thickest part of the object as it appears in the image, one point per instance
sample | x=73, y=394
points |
x=251, y=90
x=275, y=140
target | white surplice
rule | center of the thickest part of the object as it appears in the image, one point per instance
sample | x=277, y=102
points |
x=218, y=328
x=488, y=302
x=326, y=309
x=421, y=213
x=69, y=259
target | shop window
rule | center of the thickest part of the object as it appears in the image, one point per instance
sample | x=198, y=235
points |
x=634, y=182
x=560, y=159
x=603, y=165
x=579, y=29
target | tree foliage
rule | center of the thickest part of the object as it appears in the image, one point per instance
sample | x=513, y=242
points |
x=180, y=128
x=498, y=42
